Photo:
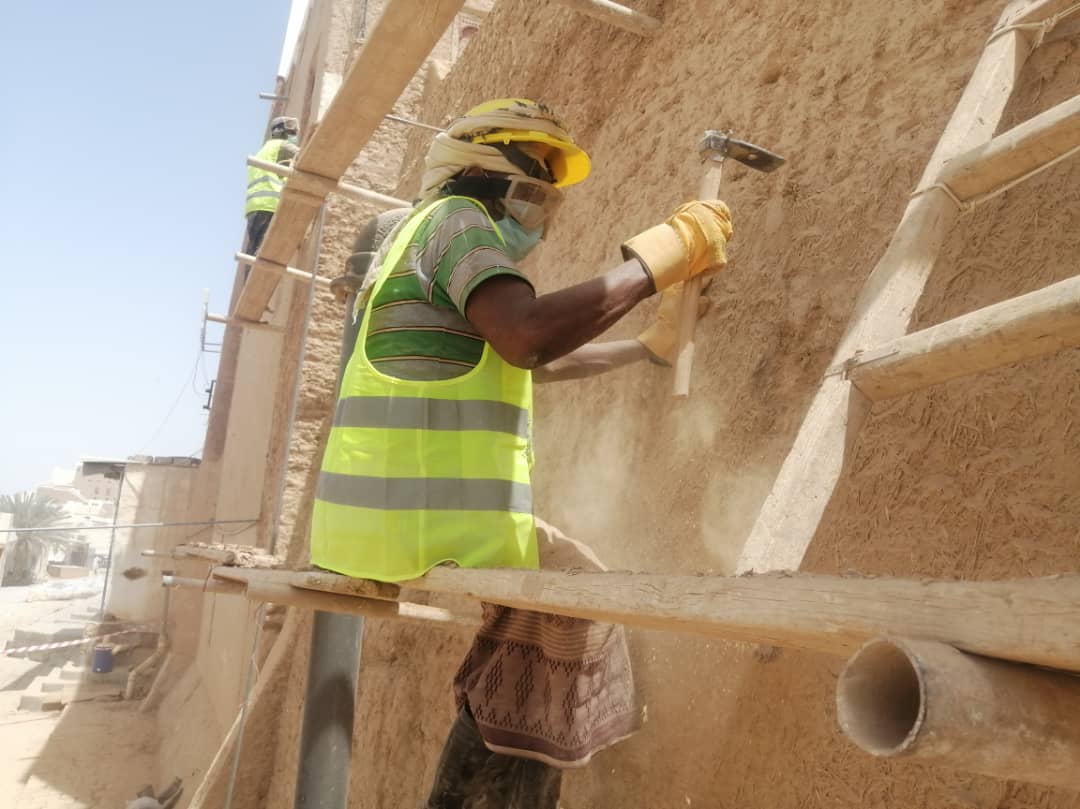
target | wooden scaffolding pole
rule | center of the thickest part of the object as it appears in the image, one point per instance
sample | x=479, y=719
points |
x=1032, y=621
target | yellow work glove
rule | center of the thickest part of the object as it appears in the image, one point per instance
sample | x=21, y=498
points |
x=692, y=241
x=661, y=338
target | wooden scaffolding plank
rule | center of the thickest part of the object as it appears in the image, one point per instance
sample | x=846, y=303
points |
x=1032, y=620
x=791, y=513
x=1041, y=322
x=283, y=593
x=401, y=40
x=329, y=592
x=1017, y=154
x=320, y=580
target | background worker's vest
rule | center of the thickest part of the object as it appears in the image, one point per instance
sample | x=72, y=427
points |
x=419, y=473
x=264, y=187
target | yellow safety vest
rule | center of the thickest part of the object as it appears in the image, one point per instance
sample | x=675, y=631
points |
x=264, y=187
x=420, y=473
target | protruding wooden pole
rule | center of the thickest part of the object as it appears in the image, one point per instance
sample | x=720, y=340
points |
x=926, y=700
x=615, y=14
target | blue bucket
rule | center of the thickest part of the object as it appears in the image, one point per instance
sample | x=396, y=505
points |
x=103, y=660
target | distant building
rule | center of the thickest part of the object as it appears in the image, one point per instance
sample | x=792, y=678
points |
x=96, y=486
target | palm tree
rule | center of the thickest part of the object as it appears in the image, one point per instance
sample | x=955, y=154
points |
x=28, y=554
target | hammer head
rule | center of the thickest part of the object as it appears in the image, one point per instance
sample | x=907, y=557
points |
x=719, y=146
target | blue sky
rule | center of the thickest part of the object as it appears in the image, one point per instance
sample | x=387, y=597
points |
x=126, y=127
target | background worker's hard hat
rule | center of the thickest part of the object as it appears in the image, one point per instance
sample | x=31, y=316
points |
x=520, y=120
x=285, y=123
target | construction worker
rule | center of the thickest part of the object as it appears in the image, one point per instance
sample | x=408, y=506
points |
x=264, y=187
x=428, y=460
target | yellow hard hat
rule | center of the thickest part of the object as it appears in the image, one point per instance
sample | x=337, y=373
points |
x=495, y=123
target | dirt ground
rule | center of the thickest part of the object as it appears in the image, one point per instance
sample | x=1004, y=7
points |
x=973, y=479
x=91, y=755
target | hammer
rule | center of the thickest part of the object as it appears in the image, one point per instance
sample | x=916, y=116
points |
x=714, y=148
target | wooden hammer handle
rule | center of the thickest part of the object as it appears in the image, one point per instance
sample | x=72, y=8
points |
x=684, y=357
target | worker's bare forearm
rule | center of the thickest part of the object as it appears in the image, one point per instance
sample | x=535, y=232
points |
x=592, y=359
x=529, y=331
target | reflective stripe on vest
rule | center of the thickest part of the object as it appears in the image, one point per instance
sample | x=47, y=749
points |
x=419, y=473
x=264, y=187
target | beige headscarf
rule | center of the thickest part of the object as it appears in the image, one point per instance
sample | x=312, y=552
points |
x=452, y=152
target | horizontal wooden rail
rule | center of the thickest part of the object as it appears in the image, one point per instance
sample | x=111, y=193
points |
x=615, y=14
x=263, y=264
x=1030, y=620
x=248, y=324
x=317, y=186
x=1021, y=328
x=1015, y=155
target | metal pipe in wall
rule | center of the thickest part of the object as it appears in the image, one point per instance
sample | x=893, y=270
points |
x=928, y=701
x=322, y=780
x=322, y=777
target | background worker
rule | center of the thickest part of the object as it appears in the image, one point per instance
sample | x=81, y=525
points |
x=429, y=457
x=264, y=187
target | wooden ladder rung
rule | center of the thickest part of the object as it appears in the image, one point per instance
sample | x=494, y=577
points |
x=1021, y=328
x=1015, y=155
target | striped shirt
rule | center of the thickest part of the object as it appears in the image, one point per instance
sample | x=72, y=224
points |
x=418, y=329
